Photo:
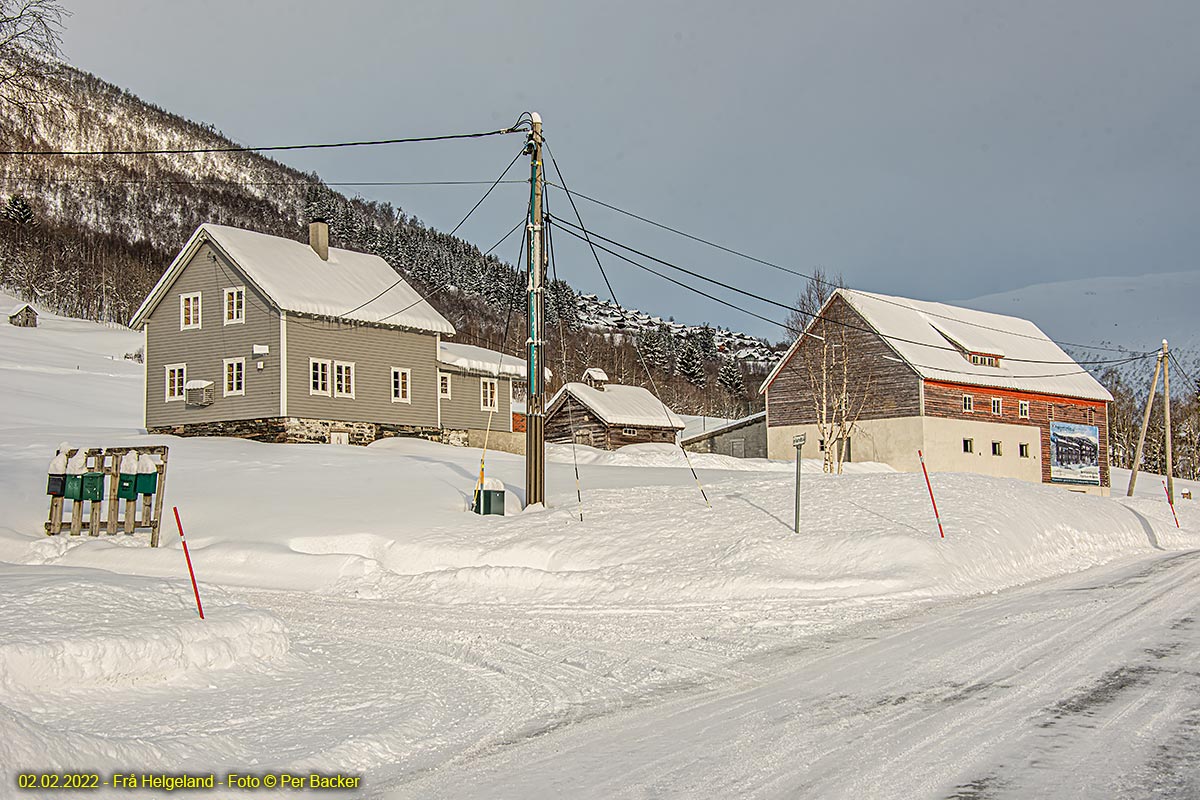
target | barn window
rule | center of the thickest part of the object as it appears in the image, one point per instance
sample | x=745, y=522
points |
x=968, y=445
x=984, y=360
x=1023, y=449
x=968, y=403
x=1091, y=416
x=629, y=431
x=1023, y=409
x=997, y=449
x=997, y=406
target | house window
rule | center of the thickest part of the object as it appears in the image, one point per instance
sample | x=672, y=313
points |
x=176, y=378
x=401, y=385
x=997, y=449
x=235, y=305
x=968, y=403
x=629, y=431
x=488, y=394
x=343, y=379
x=1023, y=449
x=981, y=360
x=1023, y=409
x=318, y=371
x=235, y=376
x=968, y=445
x=997, y=406
x=444, y=385
x=189, y=311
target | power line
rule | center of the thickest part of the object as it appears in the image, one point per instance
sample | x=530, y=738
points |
x=769, y=301
x=220, y=182
x=814, y=278
x=270, y=148
x=1186, y=374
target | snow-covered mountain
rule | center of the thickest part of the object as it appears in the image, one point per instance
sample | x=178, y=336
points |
x=1130, y=313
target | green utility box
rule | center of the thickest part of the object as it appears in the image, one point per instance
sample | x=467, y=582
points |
x=489, y=501
x=147, y=482
x=56, y=485
x=127, y=486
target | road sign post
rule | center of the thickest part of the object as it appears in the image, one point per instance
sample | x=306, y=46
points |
x=798, y=442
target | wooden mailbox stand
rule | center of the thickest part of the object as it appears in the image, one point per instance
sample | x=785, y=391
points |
x=108, y=462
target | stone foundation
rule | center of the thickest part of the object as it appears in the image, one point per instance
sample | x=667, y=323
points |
x=311, y=431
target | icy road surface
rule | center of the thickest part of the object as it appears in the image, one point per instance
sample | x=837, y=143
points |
x=1082, y=687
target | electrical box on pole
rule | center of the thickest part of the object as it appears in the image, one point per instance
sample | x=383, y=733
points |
x=535, y=412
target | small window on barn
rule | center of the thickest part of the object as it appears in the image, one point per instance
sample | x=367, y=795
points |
x=997, y=449
x=401, y=385
x=1091, y=417
x=968, y=403
x=629, y=431
x=444, y=385
x=997, y=406
x=235, y=305
x=968, y=445
x=1023, y=409
x=1023, y=449
x=189, y=311
x=489, y=394
x=984, y=360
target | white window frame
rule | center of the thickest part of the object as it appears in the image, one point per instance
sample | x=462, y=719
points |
x=346, y=369
x=238, y=293
x=484, y=383
x=444, y=394
x=313, y=390
x=182, y=382
x=1023, y=409
x=1023, y=449
x=240, y=372
x=197, y=299
x=629, y=431
x=968, y=404
x=998, y=406
x=401, y=389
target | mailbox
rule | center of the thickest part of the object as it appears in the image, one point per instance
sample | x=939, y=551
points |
x=73, y=487
x=92, y=486
x=56, y=485
x=127, y=486
x=147, y=482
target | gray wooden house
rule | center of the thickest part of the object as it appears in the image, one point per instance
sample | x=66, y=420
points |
x=23, y=316
x=273, y=339
x=740, y=438
x=600, y=414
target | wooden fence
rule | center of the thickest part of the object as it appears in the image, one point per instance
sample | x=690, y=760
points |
x=106, y=514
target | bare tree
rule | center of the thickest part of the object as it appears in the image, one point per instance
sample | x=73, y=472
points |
x=812, y=298
x=30, y=38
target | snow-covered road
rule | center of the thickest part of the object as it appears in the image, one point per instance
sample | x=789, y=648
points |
x=1081, y=687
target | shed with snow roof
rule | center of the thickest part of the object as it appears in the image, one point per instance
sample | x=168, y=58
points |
x=883, y=377
x=740, y=438
x=608, y=415
x=23, y=316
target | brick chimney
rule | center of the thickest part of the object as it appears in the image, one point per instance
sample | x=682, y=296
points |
x=318, y=238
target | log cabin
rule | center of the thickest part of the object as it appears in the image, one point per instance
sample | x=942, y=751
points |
x=974, y=391
x=601, y=414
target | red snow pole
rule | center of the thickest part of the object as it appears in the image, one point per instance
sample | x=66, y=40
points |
x=188, y=556
x=929, y=485
x=1171, y=504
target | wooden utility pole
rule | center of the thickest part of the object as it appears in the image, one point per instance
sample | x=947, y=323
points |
x=1137, y=455
x=1166, y=362
x=535, y=410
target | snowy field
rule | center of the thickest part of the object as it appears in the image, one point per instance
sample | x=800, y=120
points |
x=360, y=620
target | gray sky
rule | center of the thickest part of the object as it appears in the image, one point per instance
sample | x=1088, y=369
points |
x=939, y=150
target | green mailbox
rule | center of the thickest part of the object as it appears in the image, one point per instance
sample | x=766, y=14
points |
x=73, y=487
x=92, y=487
x=127, y=486
x=147, y=482
x=490, y=498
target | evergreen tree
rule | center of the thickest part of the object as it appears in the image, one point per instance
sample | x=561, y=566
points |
x=691, y=365
x=730, y=378
x=706, y=342
x=19, y=211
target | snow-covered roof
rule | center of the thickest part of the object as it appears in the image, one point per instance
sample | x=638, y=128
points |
x=931, y=337
x=617, y=404
x=595, y=374
x=732, y=424
x=21, y=308
x=292, y=276
x=480, y=359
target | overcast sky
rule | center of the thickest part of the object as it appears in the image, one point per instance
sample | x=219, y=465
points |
x=939, y=150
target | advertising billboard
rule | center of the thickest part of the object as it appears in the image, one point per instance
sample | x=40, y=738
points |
x=1074, y=453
